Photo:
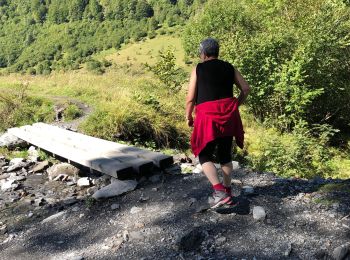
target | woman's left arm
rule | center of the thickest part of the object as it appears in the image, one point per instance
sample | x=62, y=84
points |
x=191, y=96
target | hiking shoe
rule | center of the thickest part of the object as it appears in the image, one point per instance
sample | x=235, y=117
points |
x=218, y=199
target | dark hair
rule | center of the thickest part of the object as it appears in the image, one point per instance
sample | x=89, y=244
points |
x=209, y=47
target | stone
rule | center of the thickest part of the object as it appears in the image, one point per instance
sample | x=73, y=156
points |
x=3, y=229
x=220, y=241
x=16, y=160
x=40, y=166
x=135, y=210
x=126, y=235
x=341, y=252
x=16, y=166
x=155, y=178
x=235, y=165
x=33, y=154
x=62, y=169
x=116, y=188
x=84, y=182
x=7, y=185
x=53, y=217
x=248, y=189
x=259, y=213
x=10, y=141
x=39, y=202
x=236, y=182
x=115, y=206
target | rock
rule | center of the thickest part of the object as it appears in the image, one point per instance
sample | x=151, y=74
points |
x=3, y=229
x=235, y=165
x=236, y=182
x=174, y=169
x=154, y=189
x=248, y=189
x=7, y=185
x=16, y=160
x=114, y=189
x=191, y=241
x=33, y=154
x=155, y=178
x=143, y=199
x=135, y=210
x=62, y=169
x=30, y=214
x=220, y=241
x=10, y=141
x=53, y=217
x=16, y=166
x=40, y=166
x=259, y=213
x=115, y=206
x=70, y=201
x=192, y=201
x=341, y=252
x=288, y=250
x=136, y=235
x=187, y=168
x=39, y=202
x=126, y=235
x=84, y=182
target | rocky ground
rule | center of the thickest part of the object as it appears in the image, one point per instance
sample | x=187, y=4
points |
x=49, y=212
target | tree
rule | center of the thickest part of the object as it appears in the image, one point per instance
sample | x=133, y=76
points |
x=143, y=10
x=76, y=9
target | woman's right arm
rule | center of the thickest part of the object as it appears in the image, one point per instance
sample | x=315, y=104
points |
x=243, y=85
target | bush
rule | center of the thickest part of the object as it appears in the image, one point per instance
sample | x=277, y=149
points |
x=72, y=112
x=294, y=54
x=95, y=66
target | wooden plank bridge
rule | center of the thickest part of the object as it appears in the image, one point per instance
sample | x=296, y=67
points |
x=114, y=159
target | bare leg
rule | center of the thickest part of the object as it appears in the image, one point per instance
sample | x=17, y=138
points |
x=227, y=170
x=210, y=171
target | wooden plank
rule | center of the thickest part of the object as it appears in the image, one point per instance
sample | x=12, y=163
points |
x=159, y=159
x=104, y=165
x=140, y=166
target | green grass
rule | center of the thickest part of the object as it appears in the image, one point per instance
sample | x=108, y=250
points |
x=130, y=105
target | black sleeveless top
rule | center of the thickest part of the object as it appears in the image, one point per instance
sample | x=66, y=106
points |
x=215, y=79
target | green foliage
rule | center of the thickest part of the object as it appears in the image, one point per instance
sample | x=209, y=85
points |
x=40, y=36
x=297, y=153
x=72, y=112
x=167, y=72
x=95, y=66
x=293, y=53
x=17, y=108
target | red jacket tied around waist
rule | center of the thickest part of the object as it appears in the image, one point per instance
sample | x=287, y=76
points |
x=218, y=118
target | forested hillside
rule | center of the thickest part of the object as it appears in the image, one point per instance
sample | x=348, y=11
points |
x=39, y=36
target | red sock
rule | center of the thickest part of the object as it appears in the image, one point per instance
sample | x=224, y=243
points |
x=219, y=186
x=228, y=190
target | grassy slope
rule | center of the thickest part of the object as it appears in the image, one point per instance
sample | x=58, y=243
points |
x=116, y=92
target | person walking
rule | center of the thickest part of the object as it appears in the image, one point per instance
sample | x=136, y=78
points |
x=217, y=119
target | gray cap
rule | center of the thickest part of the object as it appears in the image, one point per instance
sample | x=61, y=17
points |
x=209, y=47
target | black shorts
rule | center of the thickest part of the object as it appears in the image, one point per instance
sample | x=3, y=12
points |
x=224, y=151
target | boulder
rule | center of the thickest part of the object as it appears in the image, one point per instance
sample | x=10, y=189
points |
x=10, y=141
x=40, y=166
x=114, y=189
x=62, y=169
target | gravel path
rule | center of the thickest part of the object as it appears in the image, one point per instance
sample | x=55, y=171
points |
x=166, y=218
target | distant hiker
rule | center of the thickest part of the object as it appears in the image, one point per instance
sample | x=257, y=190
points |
x=217, y=119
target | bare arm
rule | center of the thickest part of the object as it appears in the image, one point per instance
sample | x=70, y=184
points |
x=243, y=85
x=191, y=95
